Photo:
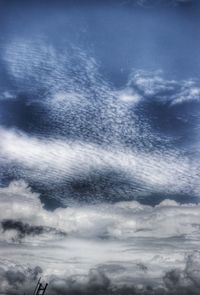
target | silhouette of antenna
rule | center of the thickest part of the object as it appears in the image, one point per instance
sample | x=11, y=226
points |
x=40, y=288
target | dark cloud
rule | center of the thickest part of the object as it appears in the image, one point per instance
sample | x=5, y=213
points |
x=18, y=279
x=175, y=282
x=24, y=229
x=15, y=277
x=184, y=281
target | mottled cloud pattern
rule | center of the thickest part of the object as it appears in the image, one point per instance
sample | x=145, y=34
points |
x=99, y=147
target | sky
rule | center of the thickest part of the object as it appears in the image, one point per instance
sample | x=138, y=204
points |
x=99, y=146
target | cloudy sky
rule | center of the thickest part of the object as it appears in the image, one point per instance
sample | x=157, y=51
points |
x=99, y=147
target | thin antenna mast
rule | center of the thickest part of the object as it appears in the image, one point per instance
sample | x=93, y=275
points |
x=40, y=288
x=34, y=292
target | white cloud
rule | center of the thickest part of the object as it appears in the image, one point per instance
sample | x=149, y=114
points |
x=189, y=92
x=127, y=95
x=35, y=64
x=122, y=220
x=154, y=85
x=7, y=95
x=129, y=243
x=55, y=160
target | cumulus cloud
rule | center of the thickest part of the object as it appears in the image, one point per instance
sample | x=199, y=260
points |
x=153, y=248
x=22, y=211
x=96, y=281
x=16, y=279
x=184, y=281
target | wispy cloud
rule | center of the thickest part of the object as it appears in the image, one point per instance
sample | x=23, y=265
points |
x=58, y=161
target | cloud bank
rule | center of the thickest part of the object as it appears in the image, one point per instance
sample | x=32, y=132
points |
x=154, y=249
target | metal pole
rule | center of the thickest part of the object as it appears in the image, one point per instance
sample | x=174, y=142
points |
x=36, y=286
